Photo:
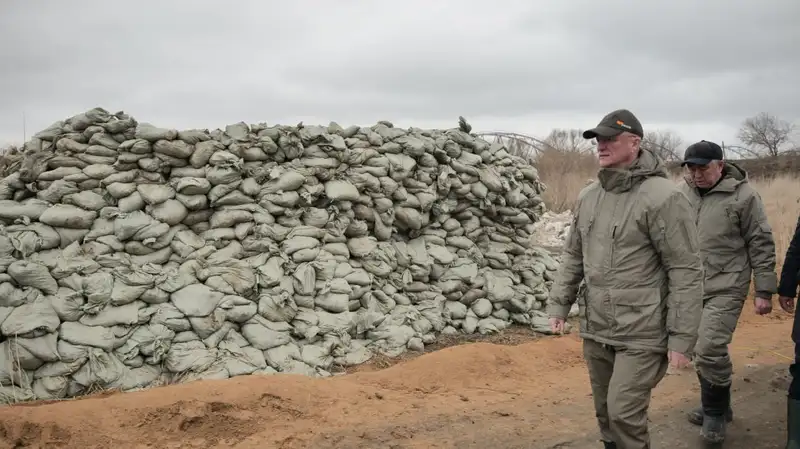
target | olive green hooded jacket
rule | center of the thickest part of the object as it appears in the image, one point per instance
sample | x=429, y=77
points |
x=735, y=237
x=634, y=241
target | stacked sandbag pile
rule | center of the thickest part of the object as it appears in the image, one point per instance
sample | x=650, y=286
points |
x=132, y=255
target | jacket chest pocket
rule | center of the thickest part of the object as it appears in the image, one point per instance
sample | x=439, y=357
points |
x=718, y=222
x=613, y=243
x=594, y=251
x=734, y=222
x=724, y=247
x=585, y=231
x=601, y=241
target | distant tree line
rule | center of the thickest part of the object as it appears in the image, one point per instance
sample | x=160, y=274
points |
x=762, y=135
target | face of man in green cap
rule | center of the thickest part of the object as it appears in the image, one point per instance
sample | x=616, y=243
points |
x=617, y=151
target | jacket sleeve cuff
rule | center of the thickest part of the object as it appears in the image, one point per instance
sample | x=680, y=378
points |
x=766, y=282
x=557, y=311
x=680, y=344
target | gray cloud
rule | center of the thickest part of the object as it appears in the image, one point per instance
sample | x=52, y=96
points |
x=508, y=64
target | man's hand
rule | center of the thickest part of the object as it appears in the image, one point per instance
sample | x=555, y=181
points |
x=557, y=325
x=786, y=303
x=678, y=360
x=763, y=305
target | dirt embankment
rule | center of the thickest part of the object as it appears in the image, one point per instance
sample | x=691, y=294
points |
x=511, y=390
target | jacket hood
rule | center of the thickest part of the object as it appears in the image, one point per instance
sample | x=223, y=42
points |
x=733, y=170
x=734, y=177
x=646, y=165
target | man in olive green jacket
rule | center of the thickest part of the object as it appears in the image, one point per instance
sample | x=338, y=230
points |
x=633, y=240
x=735, y=244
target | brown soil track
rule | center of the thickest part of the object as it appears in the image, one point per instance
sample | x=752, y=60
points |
x=513, y=390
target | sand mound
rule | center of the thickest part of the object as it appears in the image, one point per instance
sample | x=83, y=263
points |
x=288, y=410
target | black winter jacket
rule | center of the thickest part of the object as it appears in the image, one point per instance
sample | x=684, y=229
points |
x=791, y=266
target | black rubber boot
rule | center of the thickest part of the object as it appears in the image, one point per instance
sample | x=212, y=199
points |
x=793, y=424
x=696, y=416
x=609, y=445
x=716, y=400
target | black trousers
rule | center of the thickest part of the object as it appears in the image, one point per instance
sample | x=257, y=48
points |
x=794, y=368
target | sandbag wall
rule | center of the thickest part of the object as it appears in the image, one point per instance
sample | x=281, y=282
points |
x=132, y=255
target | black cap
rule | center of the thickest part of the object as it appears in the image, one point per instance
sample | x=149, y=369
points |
x=701, y=153
x=614, y=124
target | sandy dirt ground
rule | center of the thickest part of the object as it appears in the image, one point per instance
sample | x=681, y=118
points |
x=514, y=390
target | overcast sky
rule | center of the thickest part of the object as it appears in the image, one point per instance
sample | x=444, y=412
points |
x=696, y=67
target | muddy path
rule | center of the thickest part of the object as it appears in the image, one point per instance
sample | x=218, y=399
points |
x=515, y=390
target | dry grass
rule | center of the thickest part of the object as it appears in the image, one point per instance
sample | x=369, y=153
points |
x=781, y=197
x=565, y=174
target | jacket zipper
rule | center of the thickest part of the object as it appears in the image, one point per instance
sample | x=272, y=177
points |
x=586, y=290
x=612, y=328
x=611, y=249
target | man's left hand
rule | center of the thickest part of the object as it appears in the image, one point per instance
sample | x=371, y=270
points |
x=763, y=305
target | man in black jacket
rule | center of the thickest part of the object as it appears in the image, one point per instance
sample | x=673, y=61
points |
x=787, y=290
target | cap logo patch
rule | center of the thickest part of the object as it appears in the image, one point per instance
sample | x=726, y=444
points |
x=622, y=124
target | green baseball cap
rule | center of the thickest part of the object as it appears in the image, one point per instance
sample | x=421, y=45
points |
x=614, y=124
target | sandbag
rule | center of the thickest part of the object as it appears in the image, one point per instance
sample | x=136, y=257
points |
x=133, y=254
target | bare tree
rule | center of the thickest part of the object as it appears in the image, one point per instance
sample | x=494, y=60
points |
x=665, y=143
x=522, y=145
x=740, y=151
x=567, y=140
x=766, y=133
